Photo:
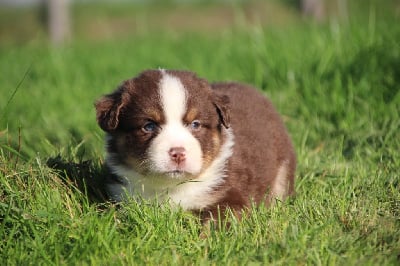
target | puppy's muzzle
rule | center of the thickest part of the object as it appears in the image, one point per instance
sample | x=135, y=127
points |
x=177, y=155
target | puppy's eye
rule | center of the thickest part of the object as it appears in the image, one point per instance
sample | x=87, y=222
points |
x=195, y=125
x=149, y=127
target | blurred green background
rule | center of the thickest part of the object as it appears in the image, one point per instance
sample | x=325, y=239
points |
x=99, y=20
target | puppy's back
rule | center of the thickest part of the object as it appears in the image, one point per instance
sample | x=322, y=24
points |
x=263, y=163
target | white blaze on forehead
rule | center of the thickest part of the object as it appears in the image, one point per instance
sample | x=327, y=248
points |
x=173, y=97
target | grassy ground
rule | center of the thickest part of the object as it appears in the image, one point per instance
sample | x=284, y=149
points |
x=336, y=85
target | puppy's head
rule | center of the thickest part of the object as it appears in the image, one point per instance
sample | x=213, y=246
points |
x=163, y=123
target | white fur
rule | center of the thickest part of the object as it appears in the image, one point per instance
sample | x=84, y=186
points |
x=189, y=194
x=281, y=185
x=173, y=97
x=194, y=193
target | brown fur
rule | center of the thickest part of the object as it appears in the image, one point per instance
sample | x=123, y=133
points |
x=262, y=145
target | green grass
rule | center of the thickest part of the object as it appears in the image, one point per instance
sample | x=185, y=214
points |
x=336, y=85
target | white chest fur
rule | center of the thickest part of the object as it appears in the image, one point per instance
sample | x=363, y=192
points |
x=189, y=194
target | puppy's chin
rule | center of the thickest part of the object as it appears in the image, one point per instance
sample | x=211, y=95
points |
x=177, y=174
x=172, y=171
x=173, y=174
x=149, y=169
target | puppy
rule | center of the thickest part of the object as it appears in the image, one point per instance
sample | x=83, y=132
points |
x=173, y=136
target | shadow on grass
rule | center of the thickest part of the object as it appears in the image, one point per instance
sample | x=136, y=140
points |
x=85, y=176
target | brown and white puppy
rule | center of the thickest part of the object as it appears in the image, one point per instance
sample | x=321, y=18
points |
x=174, y=136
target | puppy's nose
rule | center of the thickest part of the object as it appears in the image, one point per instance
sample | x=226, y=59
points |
x=177, y=154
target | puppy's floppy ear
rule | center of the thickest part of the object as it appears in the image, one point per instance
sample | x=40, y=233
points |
x=108, y=109
x=221, y=102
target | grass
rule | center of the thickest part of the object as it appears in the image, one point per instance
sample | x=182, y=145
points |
x=336, y=85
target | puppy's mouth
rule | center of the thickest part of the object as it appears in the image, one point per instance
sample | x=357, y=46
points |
x=176, y=173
